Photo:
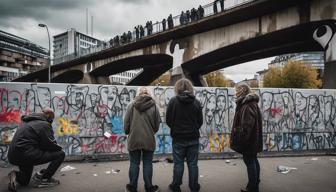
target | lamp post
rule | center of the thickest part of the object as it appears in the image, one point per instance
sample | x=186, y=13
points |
x=44, y=25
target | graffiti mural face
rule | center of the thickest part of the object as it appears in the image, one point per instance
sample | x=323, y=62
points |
x=14, y=100
x=109, y=96
x=210, y=107
x=221, y=103
x=44, y=97
x=300, y=102
x=124, y=99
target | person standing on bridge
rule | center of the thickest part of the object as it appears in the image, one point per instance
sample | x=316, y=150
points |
x=246, y=134
x=200, y=12
x=184, y=117
x=34, y=144
x=215, y=10
x=136, y=29
x=221, y=4
x=163, y=24
x=142, y=31
x=141, y=122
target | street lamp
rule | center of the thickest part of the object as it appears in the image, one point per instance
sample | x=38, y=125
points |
x=44, y=25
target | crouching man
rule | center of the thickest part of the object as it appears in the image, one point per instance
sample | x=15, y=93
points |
x=34, y=144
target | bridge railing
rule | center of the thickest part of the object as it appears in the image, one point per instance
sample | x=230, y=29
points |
x=209, y=10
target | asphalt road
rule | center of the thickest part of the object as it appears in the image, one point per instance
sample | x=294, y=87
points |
x=312, y=175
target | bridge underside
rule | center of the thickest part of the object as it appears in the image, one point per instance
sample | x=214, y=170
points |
x=153, y=66
x=290, y=40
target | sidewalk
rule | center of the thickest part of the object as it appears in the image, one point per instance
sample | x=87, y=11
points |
x=215, y=176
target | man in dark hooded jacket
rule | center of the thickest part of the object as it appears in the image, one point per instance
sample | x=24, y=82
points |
x=34, y=144
x=141, y=122
x=246, y=134
x=184, y=117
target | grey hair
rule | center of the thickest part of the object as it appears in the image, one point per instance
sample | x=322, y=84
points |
x=143, y=91
x=183, y=85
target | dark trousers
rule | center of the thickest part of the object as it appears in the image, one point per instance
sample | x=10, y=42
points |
x=147, y=160
x=186, y=150
x=26, y=166
x=253, y=172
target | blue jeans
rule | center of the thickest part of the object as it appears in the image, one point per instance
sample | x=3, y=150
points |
x=188, y=150
x=253, y=172
x=147, y=158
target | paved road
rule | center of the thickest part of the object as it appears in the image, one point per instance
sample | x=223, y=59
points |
x=215, y=175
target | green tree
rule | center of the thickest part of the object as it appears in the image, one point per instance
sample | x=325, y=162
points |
x=216, y=79
x=295, y=74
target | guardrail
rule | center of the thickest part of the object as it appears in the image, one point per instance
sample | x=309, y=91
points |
x=157, y=27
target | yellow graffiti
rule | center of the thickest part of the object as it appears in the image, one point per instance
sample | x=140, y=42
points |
x=270, y=144
x=66, y=127
x=218, y=142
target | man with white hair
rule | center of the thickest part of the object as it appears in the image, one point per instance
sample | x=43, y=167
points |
x=34, y=144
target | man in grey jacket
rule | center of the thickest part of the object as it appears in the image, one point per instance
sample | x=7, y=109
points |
x=142, y=120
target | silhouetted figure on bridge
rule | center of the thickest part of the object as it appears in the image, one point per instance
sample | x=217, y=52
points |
x=170, y=22
x=193, y=14
x=124, y=38
x=116, y=40
x=111, y=42
x=163, y=24
x=151, y=27
x=221, y=4
x=129, y=36
x=182, y=18
x=147, y=27
x=142, y=31
x=200, y=12
x=215, y=7
x=137, y=32
x=188, y=16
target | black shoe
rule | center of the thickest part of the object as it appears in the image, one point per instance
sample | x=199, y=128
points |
x=12, y=181
x=41, y=182
x=174, y=189
x=153, y=188
x=243, y=190
x=130, y=188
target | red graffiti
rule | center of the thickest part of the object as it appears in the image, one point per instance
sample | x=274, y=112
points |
x=10, y=117
x=274, y=111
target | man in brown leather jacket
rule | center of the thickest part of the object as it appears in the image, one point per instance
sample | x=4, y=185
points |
x=246, y=134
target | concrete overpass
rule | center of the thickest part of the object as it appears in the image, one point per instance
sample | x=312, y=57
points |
x=254, y=30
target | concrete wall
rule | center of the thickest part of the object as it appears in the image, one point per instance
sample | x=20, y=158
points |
x=293, y=119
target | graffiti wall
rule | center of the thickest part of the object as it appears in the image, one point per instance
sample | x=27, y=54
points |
x=293, y=119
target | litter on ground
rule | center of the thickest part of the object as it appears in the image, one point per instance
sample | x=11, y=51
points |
x=67, y=168
x=285, y=169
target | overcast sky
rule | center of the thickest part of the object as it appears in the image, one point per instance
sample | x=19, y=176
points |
x=111, y=17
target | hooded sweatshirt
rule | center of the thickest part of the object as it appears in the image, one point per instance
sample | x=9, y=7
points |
x=141, y=122
x=184, y=117
x=33, y=137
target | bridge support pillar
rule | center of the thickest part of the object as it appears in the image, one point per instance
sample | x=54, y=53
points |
x=176, y=74
x=329, y=78
x=326, y=36
x=103, y=80
x=87, y=79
